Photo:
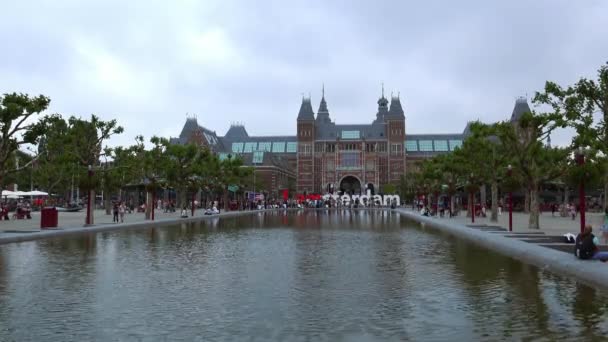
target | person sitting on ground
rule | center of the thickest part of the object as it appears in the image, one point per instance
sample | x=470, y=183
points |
x=214, y=210
x=586, y=246
x=184, y=213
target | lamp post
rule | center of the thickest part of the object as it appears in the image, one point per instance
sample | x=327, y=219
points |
x=509, y=173
x=472, y=201
x=580, y=160
x=90, y=174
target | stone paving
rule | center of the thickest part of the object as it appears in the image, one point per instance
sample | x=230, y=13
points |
x=550, y=225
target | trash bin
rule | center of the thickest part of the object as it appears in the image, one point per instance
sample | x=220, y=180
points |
x=48, y=217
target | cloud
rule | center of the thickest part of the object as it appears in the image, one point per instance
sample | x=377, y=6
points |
x=148, y=63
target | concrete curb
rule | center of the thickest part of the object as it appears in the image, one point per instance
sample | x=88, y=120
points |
x=594, y=273
x=67, y=231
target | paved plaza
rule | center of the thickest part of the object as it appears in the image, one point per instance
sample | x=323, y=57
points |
x=550, y=225
x=69, y=220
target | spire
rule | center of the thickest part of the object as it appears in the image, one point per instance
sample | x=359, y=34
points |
x=323, y=112
x=306, y=112
x=382, y=106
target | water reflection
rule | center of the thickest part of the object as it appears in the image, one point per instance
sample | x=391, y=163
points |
x=314, y=275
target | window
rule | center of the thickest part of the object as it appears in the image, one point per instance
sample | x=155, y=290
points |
x=330, y=147
x=265, y=146
x=381, y=147
x=210, y=139
x=350, y=135
x=396, y=148
x=441, y=145
x=349, y=160
x=330, y=165
x=305, y=148
x=237, y=147
x=258, y=157
x=370, y=147
x=370, y=165
x=278, y=147
x=425, y=145
x=454, y=144
x=291, y=147
x=250, y=147
x=411, y=145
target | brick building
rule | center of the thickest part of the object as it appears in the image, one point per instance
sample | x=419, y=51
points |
x=325, y=156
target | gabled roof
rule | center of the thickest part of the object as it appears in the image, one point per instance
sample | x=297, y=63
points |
x=237, y=132
x=521, y=107
x=306, y=112
x=396, y=111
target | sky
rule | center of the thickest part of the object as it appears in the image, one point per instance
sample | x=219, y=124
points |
x=151, y=64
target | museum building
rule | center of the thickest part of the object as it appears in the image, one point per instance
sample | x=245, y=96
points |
x=325, y=156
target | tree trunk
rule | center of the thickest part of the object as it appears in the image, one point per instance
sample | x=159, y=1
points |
x=494, y=190
x=225, y=200
x=469, y=207
x=452, y=202
x=533, y=222
x=182, y=198
x=92, y=221
x=148, y=205
x=527, y=201
x=106, y=205
x=564, y=211
x=482, y=195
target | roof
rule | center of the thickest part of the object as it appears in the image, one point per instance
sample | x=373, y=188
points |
x=521, y=107
x=396, y=111
x=192, y=129
x=306, y=112
x=236, y=131
x=331, y=131
x=426, y=145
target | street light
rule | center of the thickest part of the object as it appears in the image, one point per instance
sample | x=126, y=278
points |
x=580, y=160
x=89, y=214
x=472, y=201
x=509, y=173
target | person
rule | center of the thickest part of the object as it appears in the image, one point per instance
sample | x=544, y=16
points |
x=184, y=213
x=605, y=226
x=121, y=211
x=115, y=212
x=586, y=246
x=553, y=209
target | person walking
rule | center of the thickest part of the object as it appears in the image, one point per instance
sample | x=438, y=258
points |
x=121, y=211
x=115, y=212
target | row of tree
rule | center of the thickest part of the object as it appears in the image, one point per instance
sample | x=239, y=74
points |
x=57, y=154
x=486, y=153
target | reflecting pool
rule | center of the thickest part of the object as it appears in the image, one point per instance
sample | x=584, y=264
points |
x=285, y=276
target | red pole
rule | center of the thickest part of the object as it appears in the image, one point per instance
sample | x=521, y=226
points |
x=509, y=172
x=90, y=174
x=472, y=207
x=581, y=191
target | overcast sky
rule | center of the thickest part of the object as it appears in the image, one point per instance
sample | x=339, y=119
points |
x=148, y=63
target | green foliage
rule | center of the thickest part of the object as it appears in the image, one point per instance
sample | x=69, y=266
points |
x=16, y=128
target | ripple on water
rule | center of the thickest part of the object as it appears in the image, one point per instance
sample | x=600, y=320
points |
x=305, y=276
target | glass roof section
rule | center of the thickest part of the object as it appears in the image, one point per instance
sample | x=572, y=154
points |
x=265, y=146
x=278, y=147
x=258, y=157
x=411, y=145
x=454, y=144
x=441, y=145
x=351, y=135
x=425, y=145
x=292, y=147
x=237, y=147
x=250, y=147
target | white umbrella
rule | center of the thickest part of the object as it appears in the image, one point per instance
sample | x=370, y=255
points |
x=36, y=193
x=7, y=193
x=21, y=193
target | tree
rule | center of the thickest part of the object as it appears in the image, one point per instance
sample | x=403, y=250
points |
x=580, y=104
x=17, y=130
x=535, y=162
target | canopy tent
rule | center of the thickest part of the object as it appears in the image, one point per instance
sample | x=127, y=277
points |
x=18, y=194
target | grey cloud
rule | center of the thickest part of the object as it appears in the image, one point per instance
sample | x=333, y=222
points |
x=138, y=61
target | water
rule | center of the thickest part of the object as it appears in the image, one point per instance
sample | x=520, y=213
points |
x=307, y=276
